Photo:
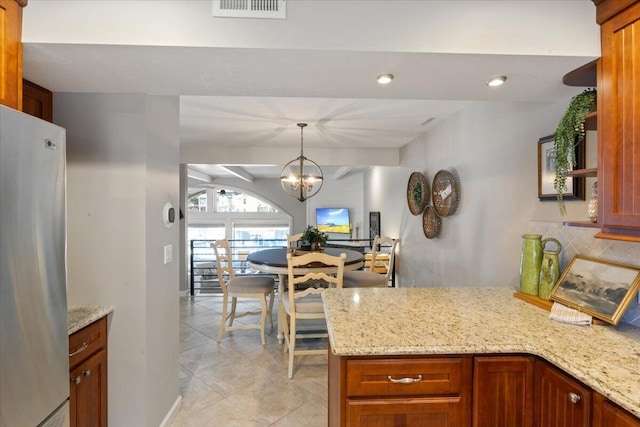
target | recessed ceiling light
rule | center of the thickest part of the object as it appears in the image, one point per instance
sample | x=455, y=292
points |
x=497, y=81
x=385, y=79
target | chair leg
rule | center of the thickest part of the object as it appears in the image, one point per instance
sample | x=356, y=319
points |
x=225, y=302
x=292, y=344
x=284, y=321
x=263, y=317
x=271, y=298
x=234, y=300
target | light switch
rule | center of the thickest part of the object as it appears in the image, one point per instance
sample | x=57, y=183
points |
x=168, y=254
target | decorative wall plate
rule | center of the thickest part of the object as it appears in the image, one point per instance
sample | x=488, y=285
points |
x=431, y=222
x=417, y=193
x=445, y=193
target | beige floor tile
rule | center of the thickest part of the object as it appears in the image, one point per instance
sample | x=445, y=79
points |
x=195, y=396
x=312, y=414
x=205, y=356
x=190, y=338
x=222, y=413
x=269, y=397
x=239, y=382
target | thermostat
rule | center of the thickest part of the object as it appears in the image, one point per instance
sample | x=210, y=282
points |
x=168, y=215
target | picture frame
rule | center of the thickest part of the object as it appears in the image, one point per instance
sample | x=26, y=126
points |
x=546, y=171
x=603, y=289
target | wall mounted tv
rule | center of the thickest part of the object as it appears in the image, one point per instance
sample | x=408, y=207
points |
x=333, y=220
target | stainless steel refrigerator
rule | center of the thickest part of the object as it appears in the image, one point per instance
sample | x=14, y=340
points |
x=34, y=355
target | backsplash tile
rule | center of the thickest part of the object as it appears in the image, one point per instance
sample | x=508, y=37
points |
x=580, y=240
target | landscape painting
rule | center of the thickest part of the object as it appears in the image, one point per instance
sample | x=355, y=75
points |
x=600, y=288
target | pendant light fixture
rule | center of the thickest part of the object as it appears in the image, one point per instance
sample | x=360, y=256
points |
x=301, y=177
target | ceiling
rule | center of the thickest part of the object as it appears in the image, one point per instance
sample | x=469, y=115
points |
x=250, y=96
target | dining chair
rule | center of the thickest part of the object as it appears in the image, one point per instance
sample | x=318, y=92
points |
x=241, y=287
x=300, y=305
x=378, y=273
x=292, y=240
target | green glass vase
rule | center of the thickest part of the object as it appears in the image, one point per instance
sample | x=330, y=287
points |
x=530, y=262
x=549, y=269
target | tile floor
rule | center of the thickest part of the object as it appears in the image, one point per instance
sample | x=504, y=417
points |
x=238, y=382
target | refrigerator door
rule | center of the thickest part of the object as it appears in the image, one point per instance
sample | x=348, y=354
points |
x=34, y=359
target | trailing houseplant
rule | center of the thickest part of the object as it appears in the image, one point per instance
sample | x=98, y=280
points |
x=314, y=237
x=569, y=133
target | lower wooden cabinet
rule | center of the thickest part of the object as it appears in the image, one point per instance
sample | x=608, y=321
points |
x=88, y=375
x=606, y=414
x=465, y=390
x=503, y=391
x=410, y=391
x=559, y=400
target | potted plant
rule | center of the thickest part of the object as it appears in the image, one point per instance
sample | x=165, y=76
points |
x=569, y=133
x=314, y=238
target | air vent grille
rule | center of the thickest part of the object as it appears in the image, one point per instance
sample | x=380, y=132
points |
x=272, y=9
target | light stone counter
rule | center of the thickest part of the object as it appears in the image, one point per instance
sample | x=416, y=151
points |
x=79, y=316
x=411, y=321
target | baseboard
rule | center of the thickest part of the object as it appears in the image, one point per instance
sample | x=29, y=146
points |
x=184, y=293
x=173, y=412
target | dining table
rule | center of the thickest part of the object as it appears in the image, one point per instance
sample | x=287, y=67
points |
x=274, y=261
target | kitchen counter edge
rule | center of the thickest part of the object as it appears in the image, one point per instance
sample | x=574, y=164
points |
x=79, y=316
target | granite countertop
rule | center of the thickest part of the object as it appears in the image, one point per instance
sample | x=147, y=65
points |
x=79, y=316
x=414, y=321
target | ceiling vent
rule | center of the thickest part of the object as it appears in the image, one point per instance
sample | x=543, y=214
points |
x=271, y=9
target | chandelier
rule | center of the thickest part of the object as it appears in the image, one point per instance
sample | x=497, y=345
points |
x=301, y=177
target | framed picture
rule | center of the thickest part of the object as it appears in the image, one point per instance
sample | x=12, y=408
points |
x=374, y=225
x=600, y=288
x=547, y=167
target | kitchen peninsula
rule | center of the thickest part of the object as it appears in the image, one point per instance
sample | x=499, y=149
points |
x=433, y=352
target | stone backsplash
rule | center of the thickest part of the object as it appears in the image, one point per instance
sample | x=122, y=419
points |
x=580, y=240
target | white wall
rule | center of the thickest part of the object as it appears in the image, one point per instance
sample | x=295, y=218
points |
x=122, y=166
x=493, y=148
x=342, y=193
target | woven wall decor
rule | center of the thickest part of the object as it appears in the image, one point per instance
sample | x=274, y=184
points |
x=417, y=193
x=431, y=222
x=445, y=193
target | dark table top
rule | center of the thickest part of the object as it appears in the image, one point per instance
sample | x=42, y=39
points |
x=278, y=257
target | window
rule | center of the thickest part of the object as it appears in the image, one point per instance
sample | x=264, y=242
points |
x=232, y=201
x=197, y=200
x=255, y=236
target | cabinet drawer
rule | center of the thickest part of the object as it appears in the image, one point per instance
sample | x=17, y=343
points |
x=418, y=412
x=87, y=341
x=406, y=377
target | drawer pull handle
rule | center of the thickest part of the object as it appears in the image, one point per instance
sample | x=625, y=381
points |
x=86, y=372
x=77, y=380
x=405, y=380
x=574, y=398
x=82, y=348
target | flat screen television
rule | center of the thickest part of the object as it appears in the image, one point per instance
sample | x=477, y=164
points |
x=333, y=220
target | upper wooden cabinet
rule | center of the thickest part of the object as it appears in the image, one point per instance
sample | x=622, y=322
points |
x=619, y=118
x=11, y=53
x=37, y=101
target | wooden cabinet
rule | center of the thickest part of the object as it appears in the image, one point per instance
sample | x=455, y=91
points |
x=559, y=400
x=11, y=53
x=503, y=391
x=37, y=101
x=88, y=375
x=619, y=118
x=507, y=390
x=606, y=414
x=413, y=391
